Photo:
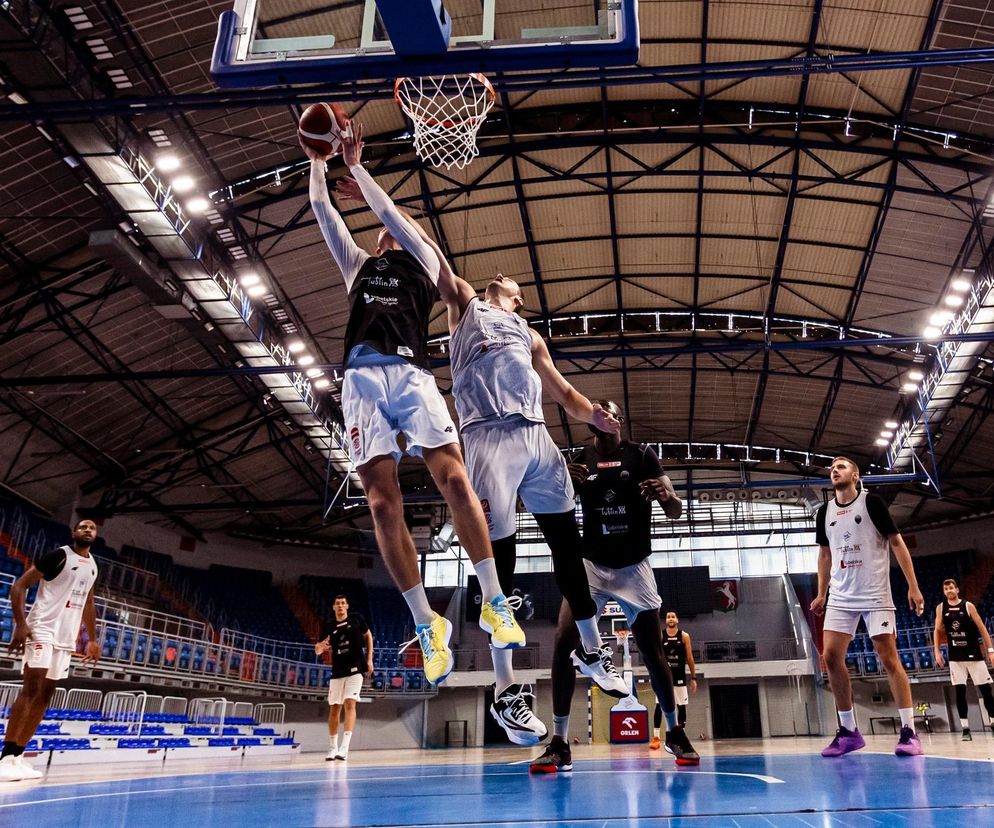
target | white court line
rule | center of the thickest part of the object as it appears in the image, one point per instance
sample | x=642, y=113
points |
x=769, y=780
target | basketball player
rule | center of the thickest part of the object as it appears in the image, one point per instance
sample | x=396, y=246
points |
x=46, y=638
x=388, y=390
x=856, y=535
x=501, y=367
x=680, y=656
x=617, y=482
x=964, y=628
x=345, y=637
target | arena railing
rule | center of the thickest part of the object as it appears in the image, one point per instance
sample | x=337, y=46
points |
x=291, y=650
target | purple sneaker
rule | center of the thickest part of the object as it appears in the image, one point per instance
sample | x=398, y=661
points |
x=845, y=741
x=908, y=744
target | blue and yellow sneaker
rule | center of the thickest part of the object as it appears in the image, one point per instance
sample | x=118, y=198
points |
x=434, y=641
x=497, y=618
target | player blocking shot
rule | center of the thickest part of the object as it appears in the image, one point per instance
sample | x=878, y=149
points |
x=856, y=535
x=389, y=390
x=618, y=482
x=963, y=628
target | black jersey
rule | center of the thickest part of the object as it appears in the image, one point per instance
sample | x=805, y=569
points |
x=675, y=652
x=617, y=519
x=391, y=300
x=962, y=632
x=347, y=639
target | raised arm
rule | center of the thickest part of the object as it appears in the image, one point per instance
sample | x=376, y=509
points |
x=556, y=386
x=381, y=204
x=347, y=254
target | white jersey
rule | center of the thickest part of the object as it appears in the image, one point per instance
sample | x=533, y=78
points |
x=57, y=612
x=857, y=535
x=492, y=373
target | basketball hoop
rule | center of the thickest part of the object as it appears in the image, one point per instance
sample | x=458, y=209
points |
x=447, y=113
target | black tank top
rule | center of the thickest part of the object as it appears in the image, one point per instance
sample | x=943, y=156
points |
x=961, y=632
x=617, y=520
x=391, y=300
x=675, y=652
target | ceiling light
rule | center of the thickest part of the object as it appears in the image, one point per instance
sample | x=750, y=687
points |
x=888, y=434
x=256, y=290
x=313, y=373
x=167, y=163
x=932, y=332
x=892, y=424
x=305, y=360
x=248, y=279
x=909, y=387
x=197, y=205
x=960, y=285
x=953, y=300
x=17, y=98
x=183, y=184
x=321, y=383
x=880, y=441
x=940, y=318
x=295, y=346
x=916, y=376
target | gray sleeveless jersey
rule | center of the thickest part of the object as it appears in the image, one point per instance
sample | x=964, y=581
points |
x=492, y=374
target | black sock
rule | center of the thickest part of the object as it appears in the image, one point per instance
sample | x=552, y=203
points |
x=11, y=749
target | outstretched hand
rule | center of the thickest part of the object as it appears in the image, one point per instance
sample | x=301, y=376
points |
x=604, y=420
x=348, y=189
x=352, y=144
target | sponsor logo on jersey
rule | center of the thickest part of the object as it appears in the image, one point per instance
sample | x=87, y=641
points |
x=844, y=564
x=609, y=464
x=842, y=512
x=846, y=535
x=404, y=351
x=609, y=496
x=485, y=503
x=381, y=264
x=388, y=301
x=379, y=281
x=356, y=440
x=859, y=518
x=885, y=623
x=448, y=429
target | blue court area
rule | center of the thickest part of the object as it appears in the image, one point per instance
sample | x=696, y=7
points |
x=785, y=790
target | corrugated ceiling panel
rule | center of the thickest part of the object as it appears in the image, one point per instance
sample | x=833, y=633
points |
x=581, y=296
x=657, y=292
x=657, y=256
x=569, y=218
x=831, y=222
x=654, y=213
x=746, y=256
x=575, y=259
x=813, y=301
x=742, y=215
x=877, y=93
x=880, y=25
x=716, y=293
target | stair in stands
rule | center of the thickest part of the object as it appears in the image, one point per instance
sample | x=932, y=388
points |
x=303, y=610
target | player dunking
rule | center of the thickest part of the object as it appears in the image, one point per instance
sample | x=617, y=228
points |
x=964, y=628
x=617, y=482
x=680, y=656
x=856, y=535
x=388, y=390
x=47, y=638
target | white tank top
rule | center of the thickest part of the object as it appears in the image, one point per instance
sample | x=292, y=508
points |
x=57, y=612
x=860, y=558
x=492, y=373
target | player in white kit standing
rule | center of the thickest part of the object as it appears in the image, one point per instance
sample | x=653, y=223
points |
x=46, y=637
x=856, y=535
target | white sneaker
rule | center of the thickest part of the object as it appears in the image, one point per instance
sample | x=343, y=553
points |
x=600, y=667
x=27, y=769
x=342, y=755
x=331, y=755
x=513, y=714
x=10, y=770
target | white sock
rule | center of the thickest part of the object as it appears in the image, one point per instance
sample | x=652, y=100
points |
x=964, y=723
x=907, y=717
x=417, y=602
x=655, y=732
x=502, y=668
x=333, y=740
x=486, y=572
x=589, y=634
x=848, y=719
x=560, y=727
x=346, y=739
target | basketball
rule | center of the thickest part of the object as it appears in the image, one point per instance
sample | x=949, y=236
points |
x=321, y=127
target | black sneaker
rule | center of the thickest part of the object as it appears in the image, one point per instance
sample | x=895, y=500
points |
x=599, y=666
x=679, y=745
x=967, y=736
x=557, y=757
x=513, y=714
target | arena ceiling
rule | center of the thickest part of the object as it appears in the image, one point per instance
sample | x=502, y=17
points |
x=715, y=240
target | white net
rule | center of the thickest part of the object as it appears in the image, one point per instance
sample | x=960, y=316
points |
x=447, y=113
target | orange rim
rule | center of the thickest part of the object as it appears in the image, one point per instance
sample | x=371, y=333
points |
x=491, y=94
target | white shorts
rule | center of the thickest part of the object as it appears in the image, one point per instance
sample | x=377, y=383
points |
x=347, y=687
x=633, y=587
x=959, y=671
x=381, y=401
x=878, y=622
x=512, y=458
x=681, y=695
x=46, y=657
